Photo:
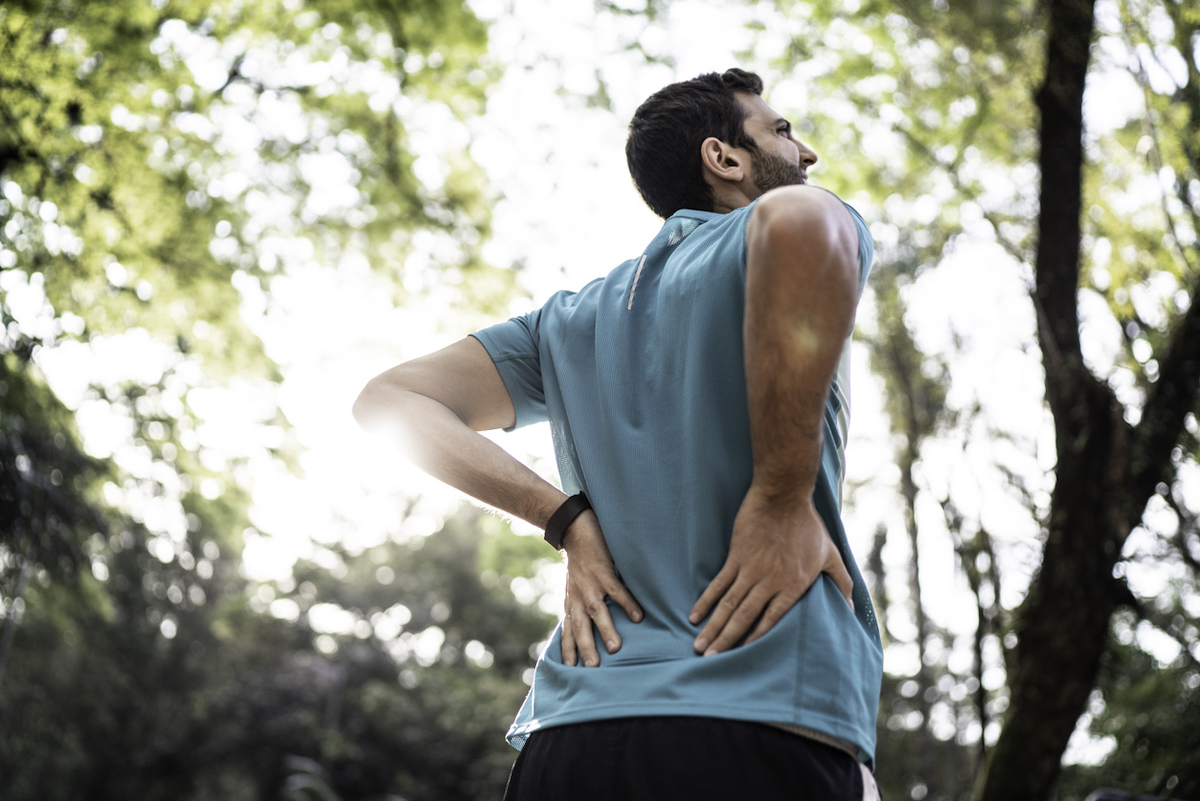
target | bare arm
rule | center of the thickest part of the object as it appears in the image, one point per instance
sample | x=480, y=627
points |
x=435, y=405
x=801, y=291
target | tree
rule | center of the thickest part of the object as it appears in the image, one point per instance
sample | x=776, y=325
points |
x=944, y=102
x=391, y=671
x=160, y=164
x=144, y=145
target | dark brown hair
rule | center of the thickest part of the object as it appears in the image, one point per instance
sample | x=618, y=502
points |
x=663, y=149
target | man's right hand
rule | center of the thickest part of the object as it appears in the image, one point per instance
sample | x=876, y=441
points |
x=591, y=577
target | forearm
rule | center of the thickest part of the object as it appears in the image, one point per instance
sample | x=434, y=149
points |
x=446, y=448
x=439, y=442
x=801, y=292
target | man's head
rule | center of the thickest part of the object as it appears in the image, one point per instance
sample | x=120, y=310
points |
x=712, y=144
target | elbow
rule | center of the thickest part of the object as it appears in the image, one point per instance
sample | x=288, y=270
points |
x=380, y=401
x=365, y=405
x=394, y=399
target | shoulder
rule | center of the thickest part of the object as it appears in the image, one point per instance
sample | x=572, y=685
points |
x=808, y=206
x=807, y=217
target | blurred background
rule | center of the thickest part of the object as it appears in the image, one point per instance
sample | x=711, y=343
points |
x=219, y=218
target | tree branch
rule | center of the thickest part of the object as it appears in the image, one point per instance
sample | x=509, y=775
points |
x=1169, y=401
x=1056, y=268
x=1148, y=613
x=1175, y=393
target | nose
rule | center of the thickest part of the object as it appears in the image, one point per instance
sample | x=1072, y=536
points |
x=807, y=156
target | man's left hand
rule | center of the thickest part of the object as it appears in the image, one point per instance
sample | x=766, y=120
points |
x=776, y=553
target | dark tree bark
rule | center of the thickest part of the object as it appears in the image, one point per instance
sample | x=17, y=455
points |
x=1063, y=624
x=1107, y=469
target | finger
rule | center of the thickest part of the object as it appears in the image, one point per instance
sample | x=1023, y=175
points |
x=625, y=600
x=604, y=624
x=585, y=639
x=836, y=569
x=739, y=622
x=568, y=642
x=715, y=589
x=721, y=614
x=776, y=609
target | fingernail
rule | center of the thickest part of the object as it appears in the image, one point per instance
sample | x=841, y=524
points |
x=592, y=663
x=701, y=644
x=612, y=645
x=711, y=651
x=693, y=618
x=637, y=617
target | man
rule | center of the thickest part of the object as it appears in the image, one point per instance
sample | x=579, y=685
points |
x=694, y=400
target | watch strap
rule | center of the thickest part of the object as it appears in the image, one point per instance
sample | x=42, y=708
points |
x=564, y=516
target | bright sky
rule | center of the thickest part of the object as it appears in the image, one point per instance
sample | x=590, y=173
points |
x=571, y=213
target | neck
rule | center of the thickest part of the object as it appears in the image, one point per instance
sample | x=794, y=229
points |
x=729, y=198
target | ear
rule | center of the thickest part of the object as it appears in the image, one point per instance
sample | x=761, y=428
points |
x=722, y=161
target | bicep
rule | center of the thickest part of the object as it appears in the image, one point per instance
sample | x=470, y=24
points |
x=462, y=377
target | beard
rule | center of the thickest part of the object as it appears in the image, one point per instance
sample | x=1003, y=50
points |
x=772, y=171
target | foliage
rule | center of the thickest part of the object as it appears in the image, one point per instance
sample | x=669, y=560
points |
x=1151, y=713
x=161, y=164
x=398, y=682
x=144, y=145
x=49, y=502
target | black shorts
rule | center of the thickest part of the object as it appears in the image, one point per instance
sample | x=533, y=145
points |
x=680, y=757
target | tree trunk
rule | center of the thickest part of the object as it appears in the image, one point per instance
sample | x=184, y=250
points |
x=1062, y=626
x=1106, y=470
x=908, y=488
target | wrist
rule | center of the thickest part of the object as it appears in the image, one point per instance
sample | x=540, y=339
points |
x=564, y=516
x=787, y=474
x=571, y=537
x=776, y=492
